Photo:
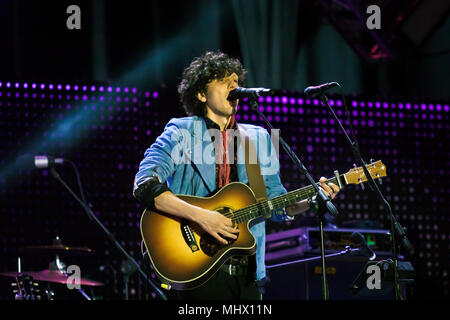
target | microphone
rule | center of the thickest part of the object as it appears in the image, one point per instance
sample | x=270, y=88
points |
x=40, y=162
x=240, y=93
x=358, y=239
x=317, y=90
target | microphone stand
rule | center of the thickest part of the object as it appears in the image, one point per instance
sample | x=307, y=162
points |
x=92, y=216
x=396, y=228
x=322, y=202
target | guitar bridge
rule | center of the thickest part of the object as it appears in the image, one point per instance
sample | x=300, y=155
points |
x=188, y=236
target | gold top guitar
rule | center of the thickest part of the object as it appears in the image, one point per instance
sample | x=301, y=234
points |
x=184, y=256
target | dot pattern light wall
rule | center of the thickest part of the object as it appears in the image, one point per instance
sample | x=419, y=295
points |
x=105, y=130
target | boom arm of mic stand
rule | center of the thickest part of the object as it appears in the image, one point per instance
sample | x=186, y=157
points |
x=346, y=251
x=92, y=216
x=374, y=186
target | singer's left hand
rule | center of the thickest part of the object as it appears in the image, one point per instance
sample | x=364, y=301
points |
x=329, y=188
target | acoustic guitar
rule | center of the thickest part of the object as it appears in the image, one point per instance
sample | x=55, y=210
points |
x=184, y=256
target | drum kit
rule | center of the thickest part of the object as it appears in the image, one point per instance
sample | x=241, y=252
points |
x=27, y=284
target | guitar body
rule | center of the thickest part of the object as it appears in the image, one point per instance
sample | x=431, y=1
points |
x=183, y=262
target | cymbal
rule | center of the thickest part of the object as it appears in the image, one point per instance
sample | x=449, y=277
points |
x=47, y=275
x=60, y=248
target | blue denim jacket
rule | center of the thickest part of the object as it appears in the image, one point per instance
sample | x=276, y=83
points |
x=183, y=155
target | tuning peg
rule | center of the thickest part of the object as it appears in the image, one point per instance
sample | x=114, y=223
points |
x=360, y=182
x=379, y=180
x=372, y=160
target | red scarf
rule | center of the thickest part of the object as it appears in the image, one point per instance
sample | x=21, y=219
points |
x=224, y=167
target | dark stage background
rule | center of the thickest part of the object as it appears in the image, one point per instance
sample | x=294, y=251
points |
x=101, y=95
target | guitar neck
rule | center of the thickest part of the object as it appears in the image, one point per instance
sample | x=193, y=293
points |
x=264, y=208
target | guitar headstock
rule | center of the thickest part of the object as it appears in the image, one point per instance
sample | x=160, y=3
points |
x=356, y=175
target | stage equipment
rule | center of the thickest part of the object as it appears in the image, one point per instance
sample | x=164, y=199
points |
x=396, y=229
x=93, y=217
x=241, y=93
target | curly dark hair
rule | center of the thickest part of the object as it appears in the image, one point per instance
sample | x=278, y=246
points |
x=201, y=71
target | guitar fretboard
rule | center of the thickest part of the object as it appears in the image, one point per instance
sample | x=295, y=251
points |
x=264, y=208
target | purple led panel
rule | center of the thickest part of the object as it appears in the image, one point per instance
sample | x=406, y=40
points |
x=106, y=129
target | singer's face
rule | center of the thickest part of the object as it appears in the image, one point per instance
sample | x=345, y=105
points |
x=216, y=96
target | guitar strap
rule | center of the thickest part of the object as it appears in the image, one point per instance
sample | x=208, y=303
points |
x=255, y=179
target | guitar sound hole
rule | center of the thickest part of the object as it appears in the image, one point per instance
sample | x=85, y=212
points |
x=208, y=244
